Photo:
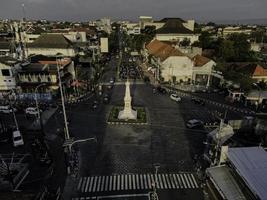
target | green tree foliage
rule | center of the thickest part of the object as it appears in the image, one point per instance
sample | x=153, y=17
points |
x=237, y=77
x=136, y=42
x=241, y=46
x=112, y=41
x=205, y=40
x=185, y=42
x=259, y=36
x=235, y=48
x=226, y=50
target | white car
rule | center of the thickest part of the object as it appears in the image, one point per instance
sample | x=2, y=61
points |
x=193, y=123
x=112, y=81
x=31, y=111
x=17, y=138
x=175, y=97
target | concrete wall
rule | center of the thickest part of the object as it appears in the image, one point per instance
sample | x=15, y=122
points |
x=190, y=24
x=177, y=37
x=179, y=66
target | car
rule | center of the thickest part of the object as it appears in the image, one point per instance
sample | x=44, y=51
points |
x=112, y=80
x=194, y=123
x=110, y=87
x=17, y=138
x=175, y=97
x=95, y=105
x=31, y=111
x=106, y=99
x=7, y=109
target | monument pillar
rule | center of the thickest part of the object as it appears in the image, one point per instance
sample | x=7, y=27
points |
x=127, y=112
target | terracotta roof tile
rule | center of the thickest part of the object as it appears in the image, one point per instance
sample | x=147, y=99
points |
x=260, y=71
x=200, y=60
x=162, y=50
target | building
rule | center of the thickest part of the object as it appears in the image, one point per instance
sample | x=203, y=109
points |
x=132, y=28
x=6, y=48
x=7, y=76
x=232, y=30
x=171, y=63
x=43, y=70
x=51, y=45
x=242, y=175
x=32, y=33
x=176, y=30
x=203, y=71
x=144, y=20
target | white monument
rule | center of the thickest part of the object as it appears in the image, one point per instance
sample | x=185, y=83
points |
x=127, y=112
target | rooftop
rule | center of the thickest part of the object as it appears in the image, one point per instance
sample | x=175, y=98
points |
x=162, y=50
x=200, y=60
x=251, y=165
x=223, y=180
x=173, y=25
x=51, y=41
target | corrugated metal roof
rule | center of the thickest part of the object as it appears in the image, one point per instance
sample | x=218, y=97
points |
x=251, y=164
x=225, y=182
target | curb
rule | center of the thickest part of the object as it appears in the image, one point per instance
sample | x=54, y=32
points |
x=126, y=123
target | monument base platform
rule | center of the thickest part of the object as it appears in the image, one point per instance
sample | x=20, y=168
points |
x=127, y=114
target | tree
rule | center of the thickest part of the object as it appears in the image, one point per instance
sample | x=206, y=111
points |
x=211, y=24
x=196, y=44
x=185, y=42
x=241, y=46
x=259, y=36
x=226, y=51
x=205, y=39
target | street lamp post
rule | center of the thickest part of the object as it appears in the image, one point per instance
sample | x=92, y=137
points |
x=37, y=105
x=69, y=143
x=155, y=183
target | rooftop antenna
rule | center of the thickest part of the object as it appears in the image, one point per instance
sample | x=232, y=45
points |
x=24, y=13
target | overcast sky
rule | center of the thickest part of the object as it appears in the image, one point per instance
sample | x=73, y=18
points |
x=207, y=10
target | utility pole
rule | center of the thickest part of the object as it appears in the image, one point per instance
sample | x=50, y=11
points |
x=37, y=106
x=218, y=139
x=154, y=195
x=67, y=135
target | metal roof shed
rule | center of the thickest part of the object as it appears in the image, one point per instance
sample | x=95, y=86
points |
x=251, y=165
x=225, y=183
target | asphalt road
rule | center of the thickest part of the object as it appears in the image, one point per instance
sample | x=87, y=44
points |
x=135, y=149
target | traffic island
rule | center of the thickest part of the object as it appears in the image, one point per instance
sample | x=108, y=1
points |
x=141, y=119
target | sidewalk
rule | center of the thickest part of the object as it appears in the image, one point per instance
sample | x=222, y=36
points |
x=144, y=68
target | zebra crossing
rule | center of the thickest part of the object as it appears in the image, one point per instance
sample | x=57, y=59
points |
x=136, y=182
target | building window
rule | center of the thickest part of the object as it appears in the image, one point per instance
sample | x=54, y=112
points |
x=5, y=72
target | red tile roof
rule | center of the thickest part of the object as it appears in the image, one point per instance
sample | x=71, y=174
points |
x=259, y=71
x=162, y=50
x=199, y=60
